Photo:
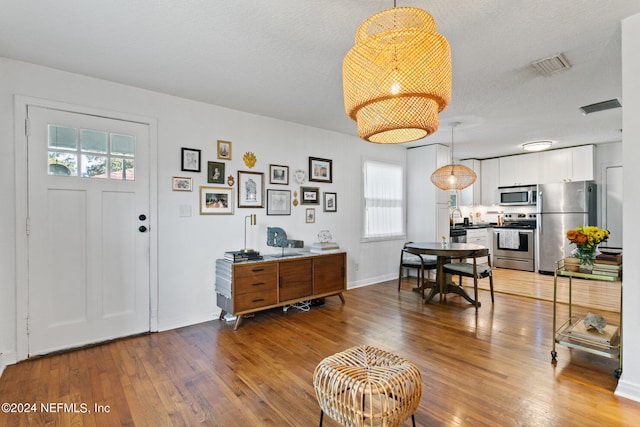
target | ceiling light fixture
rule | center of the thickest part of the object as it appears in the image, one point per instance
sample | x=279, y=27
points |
x=397, y=77
x=452, y=176
x=536, y=145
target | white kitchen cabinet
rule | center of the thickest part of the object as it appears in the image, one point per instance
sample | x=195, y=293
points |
x=566, y=164
x=478, y=236
x=489, y=181
x=427, y=205
x=582, y=166
x=472, y=195
x=521, y=169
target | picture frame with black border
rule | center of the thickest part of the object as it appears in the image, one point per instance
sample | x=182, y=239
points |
x=330, y=202
x=250, y=189
x=190, y=161
x=278, y=202
x=224, y=150
x=310, y=215
x=216, y=200
x=181, y=183
x=279, y=174
x=215, y=173
x=320, y=170
x=310, y=195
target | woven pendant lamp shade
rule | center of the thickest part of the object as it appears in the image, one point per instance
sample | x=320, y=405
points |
x=453, y=177
x=397, y=77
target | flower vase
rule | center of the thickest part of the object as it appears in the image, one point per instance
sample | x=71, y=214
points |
x=587, y=256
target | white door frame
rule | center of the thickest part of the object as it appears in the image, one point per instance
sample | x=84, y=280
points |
x=22, y=291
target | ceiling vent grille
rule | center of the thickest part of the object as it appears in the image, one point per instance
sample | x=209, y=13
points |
x=601, y=106
x=551, y=65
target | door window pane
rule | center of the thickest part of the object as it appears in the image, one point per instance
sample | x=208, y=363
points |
x=123, y=144
x=94, y=141
x=62, y=137
x=122, y=169
x=63, y=164
x=94, y=166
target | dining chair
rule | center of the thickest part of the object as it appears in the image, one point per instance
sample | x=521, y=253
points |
x=474, y=270
x=420, y=262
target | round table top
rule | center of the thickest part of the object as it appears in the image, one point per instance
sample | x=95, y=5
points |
x=452, y=249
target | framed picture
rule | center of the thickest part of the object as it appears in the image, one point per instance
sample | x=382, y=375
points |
x=310, y=195
x=216, y=201
x=278, y=174
x=278, y=202
x=320, y=170
x=310, y=215
x=181, y=183
x=330, y=202
x=224, y=150
x=190, y=160
x=215, y=172
x=250, y=189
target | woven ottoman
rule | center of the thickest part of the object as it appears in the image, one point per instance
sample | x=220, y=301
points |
x=366, y=386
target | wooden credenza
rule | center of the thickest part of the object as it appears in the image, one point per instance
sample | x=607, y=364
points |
x=248, y=287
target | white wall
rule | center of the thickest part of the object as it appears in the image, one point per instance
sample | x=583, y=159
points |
x=629, y=384
x=187, y=247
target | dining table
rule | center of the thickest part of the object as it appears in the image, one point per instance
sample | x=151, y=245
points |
x=443, y=253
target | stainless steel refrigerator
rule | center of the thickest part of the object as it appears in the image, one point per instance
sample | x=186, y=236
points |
x=561, y=207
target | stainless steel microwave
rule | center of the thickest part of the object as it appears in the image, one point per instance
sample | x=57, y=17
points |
x=517, y=196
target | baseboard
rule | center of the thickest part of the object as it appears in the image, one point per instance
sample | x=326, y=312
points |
x=7, y=359
x=628, y=390
x=181, y=322
x=371, y=281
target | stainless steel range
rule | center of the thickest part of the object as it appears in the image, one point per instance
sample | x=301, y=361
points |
x=514, y=243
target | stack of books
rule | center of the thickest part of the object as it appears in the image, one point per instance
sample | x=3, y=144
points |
x=608, y=264
x=324, y=247
x=240, y=256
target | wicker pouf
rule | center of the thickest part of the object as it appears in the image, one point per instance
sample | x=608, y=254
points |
x=366, y=386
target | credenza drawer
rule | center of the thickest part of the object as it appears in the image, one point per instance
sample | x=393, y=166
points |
x=255, y=300
x=253, y=270
x=256, y=283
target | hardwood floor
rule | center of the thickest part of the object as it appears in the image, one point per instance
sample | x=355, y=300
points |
x=492, y=368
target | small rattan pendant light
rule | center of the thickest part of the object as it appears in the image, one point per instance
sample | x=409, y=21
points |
x=452, y=176
x=397, y=77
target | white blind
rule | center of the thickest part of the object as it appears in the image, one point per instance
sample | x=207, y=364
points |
x=383, y=200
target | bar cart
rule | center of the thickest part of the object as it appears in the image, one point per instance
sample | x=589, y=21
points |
x=571, y=332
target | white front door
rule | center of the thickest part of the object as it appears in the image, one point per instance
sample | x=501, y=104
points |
x=88, y=239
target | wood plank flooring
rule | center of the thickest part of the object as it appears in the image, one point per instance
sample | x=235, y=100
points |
x=492, y=368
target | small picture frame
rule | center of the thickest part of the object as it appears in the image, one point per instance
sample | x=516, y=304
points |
x=330, y=202
x=224, y=150
x=181, y=183
x=215, y=173
x=310, y=215
x=216, y=201
x=310, y=195
x=278, y=202
x=320, y=170
x=250, y=189
x=190, y=160
x=279, y=174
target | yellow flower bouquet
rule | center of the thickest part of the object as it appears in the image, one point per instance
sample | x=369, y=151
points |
x=587, y=239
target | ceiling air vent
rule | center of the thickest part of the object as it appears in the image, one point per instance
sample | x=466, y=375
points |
x=551, y=65
x=601, y=106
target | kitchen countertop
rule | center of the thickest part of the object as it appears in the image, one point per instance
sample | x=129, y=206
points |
x=472, y=226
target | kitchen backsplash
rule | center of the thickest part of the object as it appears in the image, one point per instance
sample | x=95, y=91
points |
x=489, y=214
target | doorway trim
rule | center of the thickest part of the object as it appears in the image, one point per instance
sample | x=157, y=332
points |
x=22, y=210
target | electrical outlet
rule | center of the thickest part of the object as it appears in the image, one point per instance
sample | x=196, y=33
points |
x=356, y=266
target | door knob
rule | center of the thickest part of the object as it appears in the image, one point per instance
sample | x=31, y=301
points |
x=142, y=217
x=142, y=228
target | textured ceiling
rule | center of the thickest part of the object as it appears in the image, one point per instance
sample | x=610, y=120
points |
x=283, y=59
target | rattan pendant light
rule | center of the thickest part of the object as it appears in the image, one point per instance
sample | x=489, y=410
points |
x=452, y=176
x=397, y=77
